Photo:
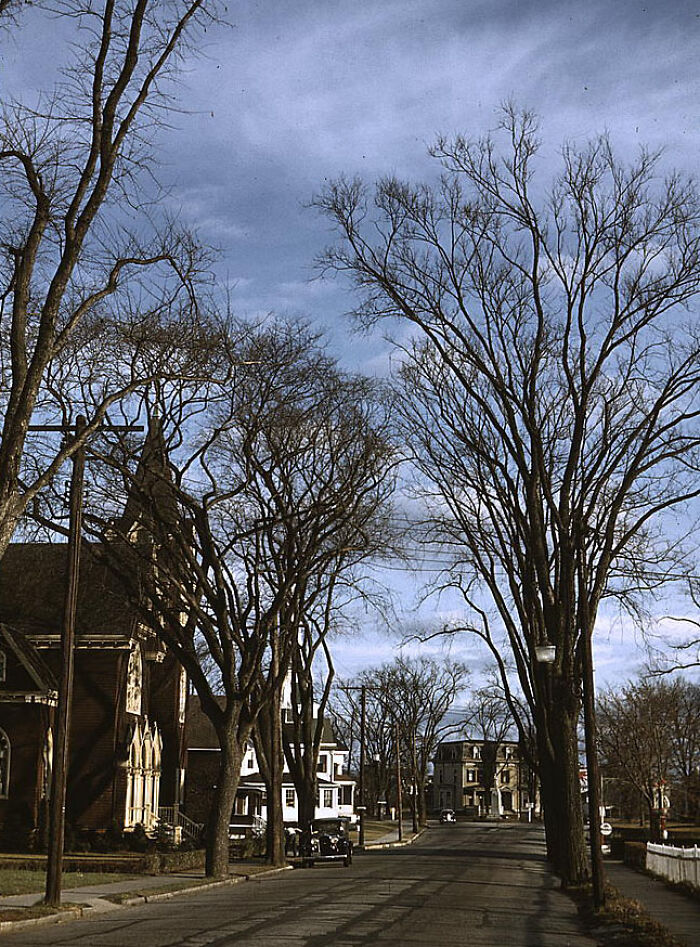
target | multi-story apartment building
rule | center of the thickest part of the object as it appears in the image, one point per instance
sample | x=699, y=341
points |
x=483, y=777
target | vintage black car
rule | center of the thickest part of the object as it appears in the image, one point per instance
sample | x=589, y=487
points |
x=326, y=840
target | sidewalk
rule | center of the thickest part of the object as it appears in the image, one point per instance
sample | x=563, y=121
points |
x=391, y=839
x=679, y=913
x=97, y=898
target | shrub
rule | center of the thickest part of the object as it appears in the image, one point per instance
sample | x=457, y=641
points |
x=635, y=854
x=17, y=834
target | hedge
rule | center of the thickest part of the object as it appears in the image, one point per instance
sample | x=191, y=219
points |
x=153, y=863
x=635, y=854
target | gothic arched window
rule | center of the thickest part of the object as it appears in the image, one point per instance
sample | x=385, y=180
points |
x=4, y=765
x=134, y=680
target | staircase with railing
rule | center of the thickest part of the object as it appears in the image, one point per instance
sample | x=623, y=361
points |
x=182, y=824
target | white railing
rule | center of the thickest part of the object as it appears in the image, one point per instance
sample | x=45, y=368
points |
x=173, y=816
x=675, y=864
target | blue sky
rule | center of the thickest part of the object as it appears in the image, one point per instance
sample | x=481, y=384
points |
x=293, y=94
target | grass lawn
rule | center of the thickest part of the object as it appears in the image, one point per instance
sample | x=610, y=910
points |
x=375, y=829
x=674, y=829
x=27, y=881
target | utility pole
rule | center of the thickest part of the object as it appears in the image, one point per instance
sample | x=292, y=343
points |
x=57, y=808
x=399, y=804
x=594, y=796
x=362, y=807
x=59, y=776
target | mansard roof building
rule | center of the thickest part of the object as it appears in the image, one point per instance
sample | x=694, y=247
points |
x=484, y=778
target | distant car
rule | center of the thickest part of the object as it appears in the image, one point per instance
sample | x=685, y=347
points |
x=447, y=815
x=326, y=840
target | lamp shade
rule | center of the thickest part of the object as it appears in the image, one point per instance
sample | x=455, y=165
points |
x=546, y=653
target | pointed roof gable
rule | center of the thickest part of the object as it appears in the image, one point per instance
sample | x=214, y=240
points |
x=40, y=674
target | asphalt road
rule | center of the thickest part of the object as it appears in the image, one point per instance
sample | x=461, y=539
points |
x=472, y=884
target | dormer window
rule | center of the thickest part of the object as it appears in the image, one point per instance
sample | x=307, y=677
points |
x=134, y=681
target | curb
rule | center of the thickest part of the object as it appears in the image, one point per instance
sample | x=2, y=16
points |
x=378, y=846
x=167, y=895
x=59, y=917
x=73, y=914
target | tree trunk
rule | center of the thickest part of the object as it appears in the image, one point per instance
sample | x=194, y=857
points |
x=561, y=796
x=306, y=791
x=414, y=810
x=216, y=859
x=655, y=833
x=9, y=517
x=422, y=811
x=275, y=819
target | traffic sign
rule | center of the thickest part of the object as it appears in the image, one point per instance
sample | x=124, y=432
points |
x=605, y=828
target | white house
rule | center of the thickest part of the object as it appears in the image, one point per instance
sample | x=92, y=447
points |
x=336, y=789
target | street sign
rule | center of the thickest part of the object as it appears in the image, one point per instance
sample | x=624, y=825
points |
x=605, y=828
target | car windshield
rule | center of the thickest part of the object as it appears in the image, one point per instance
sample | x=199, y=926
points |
x=334, y=826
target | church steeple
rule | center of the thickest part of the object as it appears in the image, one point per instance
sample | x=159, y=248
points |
x=151, y=504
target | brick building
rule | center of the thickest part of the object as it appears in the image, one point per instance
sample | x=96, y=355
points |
x=127, y=730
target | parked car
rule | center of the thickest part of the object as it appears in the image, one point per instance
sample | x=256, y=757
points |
x=447, y=815
x=326, y=840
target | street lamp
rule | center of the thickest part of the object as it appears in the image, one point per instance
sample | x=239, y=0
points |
x=545, y=653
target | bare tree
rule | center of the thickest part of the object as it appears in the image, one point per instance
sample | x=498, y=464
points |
x=686, y=654
x=379, y=747
x=242, y=515
x=419, y=692
x=414, y=695
x=79, y=245
x=328, y=465
x=650, y=737
x=550, y=395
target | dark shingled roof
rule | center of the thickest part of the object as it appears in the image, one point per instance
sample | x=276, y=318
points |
x=32, y=583
x=327, y=735
x=200, y=732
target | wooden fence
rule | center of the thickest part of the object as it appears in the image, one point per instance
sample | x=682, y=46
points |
x=675, y=864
